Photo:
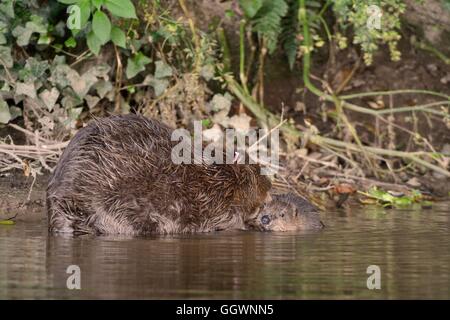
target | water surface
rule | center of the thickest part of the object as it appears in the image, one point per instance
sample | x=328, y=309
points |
x=411, y=247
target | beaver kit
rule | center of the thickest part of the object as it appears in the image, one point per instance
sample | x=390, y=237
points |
x=117, y=177
x=287, y=212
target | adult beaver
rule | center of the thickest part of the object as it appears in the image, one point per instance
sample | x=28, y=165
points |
x=117, y=177
x=287, y=212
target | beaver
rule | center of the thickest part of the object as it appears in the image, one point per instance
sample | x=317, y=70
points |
x=287, y=212
x=116, y=176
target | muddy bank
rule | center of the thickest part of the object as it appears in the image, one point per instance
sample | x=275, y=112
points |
x=21, y=197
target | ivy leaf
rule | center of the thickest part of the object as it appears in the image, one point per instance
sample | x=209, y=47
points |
x=26, y=89
x=94, y=43
x=101, y=26
x=5, y=55
x=162, y=70
x=5, y=115
x=23, y=35
x=121, y=8
x=70, y=43
x=250, y=7
x=7, y=7
x=136, y=64
x=159, y=85
x=15, y=112
x=118, y=37
x=49, y=97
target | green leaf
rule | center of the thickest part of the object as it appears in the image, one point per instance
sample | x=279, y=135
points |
x=7, y=222
x=70, y=43
x=101, y=26
x=118, y=37
x=97, y=3
x=136, y=64
x=403, y=201
x=94, y=43
x=85, y=12
x=267, y=22
x=250, y=7
x=5, y=115
x=44, y=39
x=121, y=8
x=69, y=1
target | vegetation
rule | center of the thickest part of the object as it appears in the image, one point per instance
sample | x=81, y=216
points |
x=63, y=61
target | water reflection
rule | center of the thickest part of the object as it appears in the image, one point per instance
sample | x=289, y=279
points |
x=410, y=246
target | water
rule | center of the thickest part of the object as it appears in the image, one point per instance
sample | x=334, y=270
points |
x=411, y=247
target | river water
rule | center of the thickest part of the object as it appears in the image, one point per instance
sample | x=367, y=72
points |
x=411, y=247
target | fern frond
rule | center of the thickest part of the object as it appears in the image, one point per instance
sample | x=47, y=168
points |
x=289, y=33
x=267, y=22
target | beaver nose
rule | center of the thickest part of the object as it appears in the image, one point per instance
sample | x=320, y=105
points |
x=265, y=219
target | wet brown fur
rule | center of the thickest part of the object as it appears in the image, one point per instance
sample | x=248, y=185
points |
x=287, y=212
x=116, y=177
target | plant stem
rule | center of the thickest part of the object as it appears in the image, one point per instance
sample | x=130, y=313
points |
x=391, y=92
x=226, y=58
x=242, y=55
x=194, y=35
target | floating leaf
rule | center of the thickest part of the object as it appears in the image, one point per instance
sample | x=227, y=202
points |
x=7, y=222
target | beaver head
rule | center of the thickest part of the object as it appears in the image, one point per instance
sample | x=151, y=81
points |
x=287, y=212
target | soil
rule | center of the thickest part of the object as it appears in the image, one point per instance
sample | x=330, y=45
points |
x=20, y=198
x=416, y=70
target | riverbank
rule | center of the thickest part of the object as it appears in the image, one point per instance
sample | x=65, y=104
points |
x=21, y=198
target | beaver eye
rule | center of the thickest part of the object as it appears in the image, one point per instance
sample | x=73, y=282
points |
x=282, y=215
x=265, y=219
